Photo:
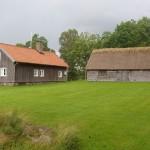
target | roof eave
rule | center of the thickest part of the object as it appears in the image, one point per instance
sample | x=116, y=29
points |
x=40, y=64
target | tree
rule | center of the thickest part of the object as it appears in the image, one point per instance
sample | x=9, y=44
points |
x=32, y=44
x=28, y=44
x=105, y=40
x=125, y=35
x=129, y=34
x=67, y=38
x=67, y=41
x=75, y=50
x=20, y=45
x=36, y=38
x=75, y=47
x=143, y=26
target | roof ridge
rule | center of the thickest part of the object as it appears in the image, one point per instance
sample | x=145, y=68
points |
x=120, y=49
x=16, y=46
x=25, y=48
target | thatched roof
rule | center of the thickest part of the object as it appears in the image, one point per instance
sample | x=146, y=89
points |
x=119, y=59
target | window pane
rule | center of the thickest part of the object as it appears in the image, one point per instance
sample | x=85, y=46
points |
x=60, y=74
x=3, y=72
x=36, y=74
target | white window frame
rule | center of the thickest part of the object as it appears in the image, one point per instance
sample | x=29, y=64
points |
x=3, y=72
x=60, y=74
x=65, y=73
x=36, y=73
x=42, y=73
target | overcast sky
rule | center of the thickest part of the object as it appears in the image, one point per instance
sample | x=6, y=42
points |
x=18, y=18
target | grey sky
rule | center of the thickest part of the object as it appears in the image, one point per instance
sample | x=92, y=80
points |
x=51, y=17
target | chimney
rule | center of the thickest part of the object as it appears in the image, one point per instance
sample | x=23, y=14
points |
x=39, y=46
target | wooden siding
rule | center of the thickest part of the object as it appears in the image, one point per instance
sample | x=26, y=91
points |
x=25, y=73
x=118, y=75
x=6, y=62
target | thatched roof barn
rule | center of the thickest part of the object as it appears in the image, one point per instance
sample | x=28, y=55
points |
x=119, y=64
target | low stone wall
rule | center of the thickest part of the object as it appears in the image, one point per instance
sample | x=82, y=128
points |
x=125, y=75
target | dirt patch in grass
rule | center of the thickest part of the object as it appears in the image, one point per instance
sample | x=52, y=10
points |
x=39, y=134
x=3, y=138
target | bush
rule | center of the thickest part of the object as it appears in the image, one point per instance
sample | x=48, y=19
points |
x=11, y=124
x=17, y=134
x=71, y=142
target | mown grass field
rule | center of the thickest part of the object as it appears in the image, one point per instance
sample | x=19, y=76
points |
x=109, y=116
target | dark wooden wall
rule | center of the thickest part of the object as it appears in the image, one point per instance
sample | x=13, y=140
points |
x=6, y=62
x=25, y=73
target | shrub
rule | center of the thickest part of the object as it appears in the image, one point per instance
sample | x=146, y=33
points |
x=71, y=142
x=16, y=134
x=67, y=138
x=2, y=116
x=11, y=124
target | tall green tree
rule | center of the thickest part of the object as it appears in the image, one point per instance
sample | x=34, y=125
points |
x=67, y=44
x=75, y=50
x=143, y=27
x=32, y=44
x=129, y=34
x=105, y=40
x=125, y=35
x=36, y=38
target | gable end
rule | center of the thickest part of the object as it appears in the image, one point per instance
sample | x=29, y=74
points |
x=7, y=55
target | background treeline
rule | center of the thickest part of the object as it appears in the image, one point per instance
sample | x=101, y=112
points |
x=32, y=43
x=75, y=47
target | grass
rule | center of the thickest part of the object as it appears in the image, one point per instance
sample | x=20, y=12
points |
x=109, y=116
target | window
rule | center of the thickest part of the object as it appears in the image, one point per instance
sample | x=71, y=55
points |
x=3, y=72
x=65, y=73
x=41, y=73
x=36, y=73
x=60, y=74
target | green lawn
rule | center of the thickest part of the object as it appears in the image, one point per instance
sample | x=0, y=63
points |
x=109, y=116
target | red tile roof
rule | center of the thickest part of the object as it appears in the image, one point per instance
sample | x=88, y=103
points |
x=32, y=56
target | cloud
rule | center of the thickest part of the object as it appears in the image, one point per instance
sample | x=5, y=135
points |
x=51, y=17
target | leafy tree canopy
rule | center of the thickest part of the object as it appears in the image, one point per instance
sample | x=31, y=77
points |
x=32, y=44
x=75, y=47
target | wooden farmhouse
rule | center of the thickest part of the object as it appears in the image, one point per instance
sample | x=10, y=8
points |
x=119, y=64
x=26, y=65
